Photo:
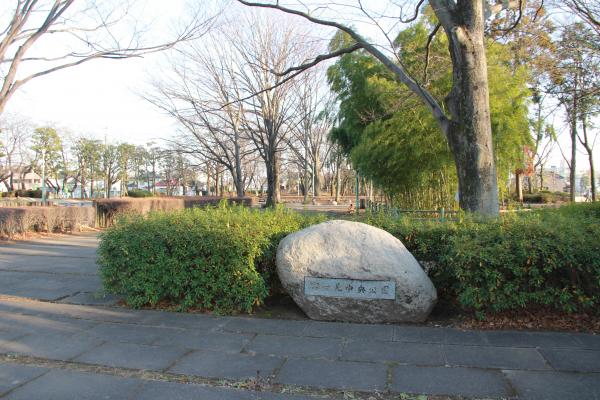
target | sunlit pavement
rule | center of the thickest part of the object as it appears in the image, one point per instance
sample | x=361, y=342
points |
x=87, y=350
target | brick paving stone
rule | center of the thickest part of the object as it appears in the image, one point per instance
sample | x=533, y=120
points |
x=54, y=346
x=71, y=385
x=290, y=346
x=213, y=364
x=573, y=359
x=343, y=375
x=197, y=340
x=494, y=357
x=14, y=375
x=266, y=326
x=449, y=381
x=546, y=385
x=131, y=355
x=348, y=331
x=406, y=353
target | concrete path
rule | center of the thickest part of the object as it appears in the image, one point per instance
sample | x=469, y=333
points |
x=53, y=350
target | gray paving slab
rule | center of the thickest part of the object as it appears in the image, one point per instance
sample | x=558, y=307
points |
x=343, y=375
x=573, y=359
x=176, y=391
x=71, y=385
x=453, y=381
x=291, y=346
x=201, y=322
x=588, y=341
x=132, y=333
x=55, y=346
x=198, y=340
x=131, y=355
x=405, y=353
x=15, y=375
x=213, y=364
x=532, y=339
x=494, y=357
x=92, y=298
x=349, y=331
x=539, y=385
x=424, y=334
x=266, y=326
x=41, y=323
x=44, y=286
x=56, y=265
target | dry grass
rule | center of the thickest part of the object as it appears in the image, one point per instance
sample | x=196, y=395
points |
x=20, y=220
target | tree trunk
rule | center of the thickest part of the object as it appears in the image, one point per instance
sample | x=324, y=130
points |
x=469, y=131
x=573, y=147
x=316, y=176
x=237, y=176
x=519, y=187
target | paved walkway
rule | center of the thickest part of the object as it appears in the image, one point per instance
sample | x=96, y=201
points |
x=53, y=350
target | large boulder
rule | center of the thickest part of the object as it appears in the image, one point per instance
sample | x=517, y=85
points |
x=349, y=271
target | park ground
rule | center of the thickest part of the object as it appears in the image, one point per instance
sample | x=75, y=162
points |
x=61, y=338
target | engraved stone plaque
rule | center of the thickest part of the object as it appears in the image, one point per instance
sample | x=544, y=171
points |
x=354, y=288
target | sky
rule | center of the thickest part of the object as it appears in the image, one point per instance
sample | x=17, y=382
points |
x=102, y=98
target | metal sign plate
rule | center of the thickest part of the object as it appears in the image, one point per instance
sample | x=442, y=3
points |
x=354, y=288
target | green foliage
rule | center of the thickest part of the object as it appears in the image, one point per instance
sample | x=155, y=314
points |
x=139, y=193
x=220, y=259
x=392, y=137
x=538, y=258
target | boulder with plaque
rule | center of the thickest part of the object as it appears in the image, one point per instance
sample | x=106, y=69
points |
x=349, y=271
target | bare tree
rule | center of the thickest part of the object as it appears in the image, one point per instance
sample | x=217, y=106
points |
x=15, y=132
x=263, y=45
x=465, y=119
x=202, y=95
x=314, y=119
x=89, y=29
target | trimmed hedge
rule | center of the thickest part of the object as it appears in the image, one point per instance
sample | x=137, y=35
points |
x=139, y=193
x=540, y=258
x=219, y=259
x=19, y=220
x=108, y=209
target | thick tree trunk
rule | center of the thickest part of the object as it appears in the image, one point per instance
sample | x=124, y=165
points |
x=273, y=192
x=469, y=131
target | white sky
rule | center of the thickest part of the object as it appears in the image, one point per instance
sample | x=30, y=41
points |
x=99, y=98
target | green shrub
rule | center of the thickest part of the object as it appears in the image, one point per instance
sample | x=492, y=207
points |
x=220, y=259
x=139, y=193
x=540, y=258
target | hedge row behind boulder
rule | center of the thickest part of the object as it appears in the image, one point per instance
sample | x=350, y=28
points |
x=546, y=258
x=218, y=259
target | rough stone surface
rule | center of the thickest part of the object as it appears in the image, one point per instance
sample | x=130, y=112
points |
x=352, y=250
